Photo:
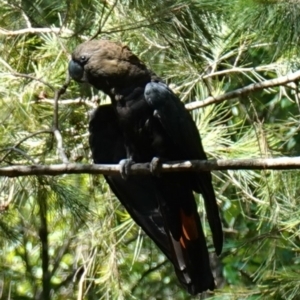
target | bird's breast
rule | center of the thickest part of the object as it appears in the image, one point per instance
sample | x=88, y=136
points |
x=135, y=122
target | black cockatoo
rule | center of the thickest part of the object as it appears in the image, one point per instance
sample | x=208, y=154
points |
x=153, y=123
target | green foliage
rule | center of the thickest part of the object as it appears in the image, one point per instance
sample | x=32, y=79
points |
x=70, y=234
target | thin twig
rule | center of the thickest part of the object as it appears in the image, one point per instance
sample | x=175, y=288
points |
x=244, y=91
x=58, y=93
x=61, y=251
x=55, y=30
x=14, y=148
x=60, y=148
x=69, y=32
x=56, y=131
x=10, y=149
x=132, y=27
x=241, y=70
x=149, y=271
x=86, y=267
x=90, y=102
x=102, y=24
x=16, y=74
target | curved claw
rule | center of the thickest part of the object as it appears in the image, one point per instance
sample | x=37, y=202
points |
x=156, y=114
x=155, y=166
x=125, y=167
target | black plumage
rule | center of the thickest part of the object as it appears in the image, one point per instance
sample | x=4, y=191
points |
x=152, y=122
x=138, y=195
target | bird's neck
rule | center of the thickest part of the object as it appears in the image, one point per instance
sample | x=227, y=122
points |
x=125, y=95
x=134, y=91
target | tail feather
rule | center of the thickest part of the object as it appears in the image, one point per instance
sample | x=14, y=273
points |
x=213, y=216
x=191, y=259
x=202, y=184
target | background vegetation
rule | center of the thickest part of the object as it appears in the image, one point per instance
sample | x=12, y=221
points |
x=68, y=237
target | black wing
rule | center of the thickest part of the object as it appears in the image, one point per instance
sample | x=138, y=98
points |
x=182, y=131
x=137, y=195
x=163, y=207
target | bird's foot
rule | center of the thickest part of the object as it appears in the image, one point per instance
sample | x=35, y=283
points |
x=155, y=166
x=156, y=114
x=125, y=165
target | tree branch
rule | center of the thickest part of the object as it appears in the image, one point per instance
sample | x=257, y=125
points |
x=14, y=148
x=241, y=70
x=56, y=131
x=102, y=24
x=146, y=273
x=282, y=163
x=22, y=75
x=245, y=90
x=67, y=32
x=33, y=78
x=4, y=31
x=90, y=102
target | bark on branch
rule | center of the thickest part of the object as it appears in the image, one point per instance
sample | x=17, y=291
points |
x=282, y=163
x=245, y=90
x=4, y=31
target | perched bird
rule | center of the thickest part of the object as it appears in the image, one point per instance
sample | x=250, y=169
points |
x=155, y=124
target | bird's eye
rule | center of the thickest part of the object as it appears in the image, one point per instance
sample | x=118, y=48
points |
x=83, y=58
